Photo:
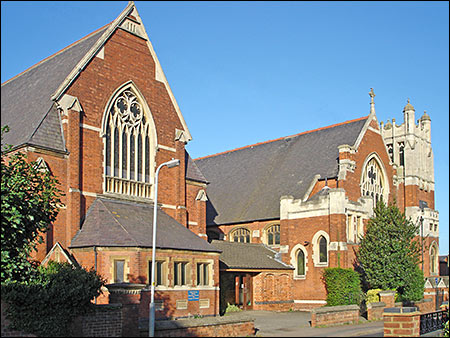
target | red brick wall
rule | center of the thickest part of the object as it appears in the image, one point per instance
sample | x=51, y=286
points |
x=401, y=324
x=272, y=290
x=333, y=315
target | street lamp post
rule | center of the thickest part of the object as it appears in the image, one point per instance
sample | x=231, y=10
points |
x=151, y=326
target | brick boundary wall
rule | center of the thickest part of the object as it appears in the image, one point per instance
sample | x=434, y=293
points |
x=334, y=315
x=105, y=321
x=203, y=327
x=401, y=322
x=375, y=310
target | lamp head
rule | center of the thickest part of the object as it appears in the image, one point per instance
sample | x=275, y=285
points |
x=173, y=163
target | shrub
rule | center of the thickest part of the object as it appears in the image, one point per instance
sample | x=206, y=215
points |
x=343, y=286
x=232, y=308
x=373, y=296
x=47, y=305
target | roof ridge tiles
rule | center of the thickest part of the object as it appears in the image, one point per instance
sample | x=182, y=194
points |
x=55, y=54
x=282, y=138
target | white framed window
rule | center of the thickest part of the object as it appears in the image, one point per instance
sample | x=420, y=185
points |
x=299, y=260
x=321, y=248
x=181, y=274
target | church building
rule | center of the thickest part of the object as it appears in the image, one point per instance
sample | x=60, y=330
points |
x=254, y=226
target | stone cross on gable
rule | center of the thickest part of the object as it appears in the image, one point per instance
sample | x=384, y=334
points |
x=372, y=104
x=372, y=95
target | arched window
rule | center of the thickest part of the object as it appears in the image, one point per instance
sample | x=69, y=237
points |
x=273, y=235
x=301, y=263
x=323, y=250
x=128, y=155
x=372, y=182
x=241, y=235
x=433, y=260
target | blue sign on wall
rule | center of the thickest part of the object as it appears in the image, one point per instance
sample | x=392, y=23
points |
x=193, y=295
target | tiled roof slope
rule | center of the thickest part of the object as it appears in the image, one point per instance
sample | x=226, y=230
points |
x=26, y=105
x=247, y=256
x=117, y=223
x=246, y=184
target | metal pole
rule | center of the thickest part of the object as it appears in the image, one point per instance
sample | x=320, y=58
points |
x=151, y=325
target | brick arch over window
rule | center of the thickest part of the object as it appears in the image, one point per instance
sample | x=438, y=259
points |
x=130, y=143
x=374, y=182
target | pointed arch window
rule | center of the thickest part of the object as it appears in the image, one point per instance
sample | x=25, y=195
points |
x=372, y=182
x=433, y=261
x=301, y=271
x=128, y=153
x=323, y=250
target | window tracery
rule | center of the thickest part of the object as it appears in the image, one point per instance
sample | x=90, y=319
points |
x=373, y=182
x=127, y=147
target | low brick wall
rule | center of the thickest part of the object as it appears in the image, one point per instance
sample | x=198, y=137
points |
x=334, y=315
x=105, y=321
x=225, y=326
x=375, y=310
x=425, y=305
x=401, y=322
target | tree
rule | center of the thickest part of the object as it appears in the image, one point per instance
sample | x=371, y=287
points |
x=389, y=253
x=29, y=200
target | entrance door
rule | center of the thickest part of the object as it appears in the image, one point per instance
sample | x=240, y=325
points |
x=243, y=291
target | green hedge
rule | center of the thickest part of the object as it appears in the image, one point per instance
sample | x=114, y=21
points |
x=343, y=286
x=47, y=305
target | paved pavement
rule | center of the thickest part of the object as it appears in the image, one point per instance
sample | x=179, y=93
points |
x=297, y=324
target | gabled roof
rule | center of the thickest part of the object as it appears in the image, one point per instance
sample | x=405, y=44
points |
x=248, y=256
x=246, y=183
x=118, y=223
x=29, y=99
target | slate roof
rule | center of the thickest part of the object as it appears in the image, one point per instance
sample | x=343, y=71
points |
x=192, y=170
x=248, y=256
x=119, y=223
x=27, y=97
x=246, y=184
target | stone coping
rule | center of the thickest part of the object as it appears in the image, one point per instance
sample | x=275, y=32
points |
x=376, y=305
x=340, y=308
x=406, y=309
x=196, y=322
x=387, y=293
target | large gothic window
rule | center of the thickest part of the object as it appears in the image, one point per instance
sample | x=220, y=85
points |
x=128, y=154
x=372, y=182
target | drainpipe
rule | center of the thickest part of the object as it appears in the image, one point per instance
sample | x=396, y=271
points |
x=95, y=265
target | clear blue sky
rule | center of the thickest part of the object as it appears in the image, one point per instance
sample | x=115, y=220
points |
x=246, y=72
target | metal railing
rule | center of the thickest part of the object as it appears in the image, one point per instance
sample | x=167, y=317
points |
x=432, y=321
